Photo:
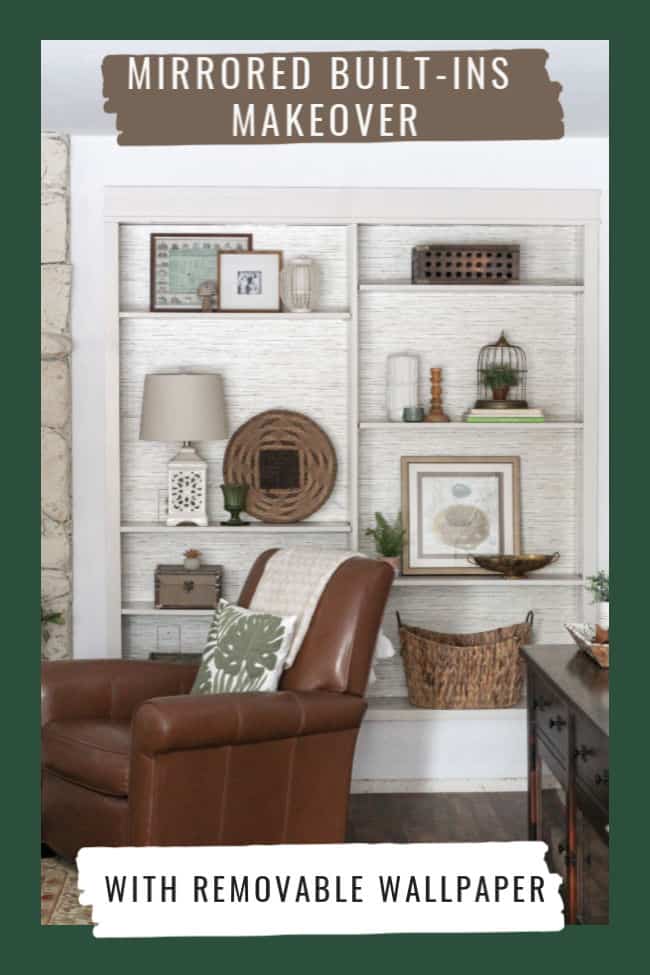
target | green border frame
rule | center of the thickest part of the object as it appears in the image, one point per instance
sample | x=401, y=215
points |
x=595, y=949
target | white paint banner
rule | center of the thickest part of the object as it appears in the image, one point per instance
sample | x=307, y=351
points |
x=239, y=891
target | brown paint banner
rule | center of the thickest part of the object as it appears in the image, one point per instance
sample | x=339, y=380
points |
x=365, y=96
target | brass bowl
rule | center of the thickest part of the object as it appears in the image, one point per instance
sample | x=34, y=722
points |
x=512, y=566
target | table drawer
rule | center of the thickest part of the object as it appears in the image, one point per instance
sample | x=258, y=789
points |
x=551, y=716
x=553, y=761
x=592, y=760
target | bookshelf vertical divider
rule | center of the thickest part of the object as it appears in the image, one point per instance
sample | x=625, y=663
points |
x=353, y=380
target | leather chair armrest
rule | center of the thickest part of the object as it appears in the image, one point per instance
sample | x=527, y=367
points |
x=212, y=720
x=110, y=689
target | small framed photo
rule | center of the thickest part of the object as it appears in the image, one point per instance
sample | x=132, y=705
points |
x=181, y=264
x=458, y=506
x=250, y=281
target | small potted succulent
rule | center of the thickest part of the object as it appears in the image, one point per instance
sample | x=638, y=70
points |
x=192, y=559
x=499, y=379
x=598, y=586
x=389, y=538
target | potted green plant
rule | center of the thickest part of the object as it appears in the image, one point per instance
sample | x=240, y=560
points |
x=598, y=586
x=389, y=538
x=499, y=379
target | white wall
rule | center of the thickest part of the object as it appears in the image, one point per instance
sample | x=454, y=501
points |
x=96, y=162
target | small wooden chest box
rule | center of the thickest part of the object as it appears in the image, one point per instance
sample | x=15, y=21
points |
x=180, y=588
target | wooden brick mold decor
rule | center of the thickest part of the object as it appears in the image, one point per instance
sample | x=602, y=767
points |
x=287, y=461
x=56, y=507
x=465, y=264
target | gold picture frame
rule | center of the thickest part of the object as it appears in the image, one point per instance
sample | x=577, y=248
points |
x=491, y=523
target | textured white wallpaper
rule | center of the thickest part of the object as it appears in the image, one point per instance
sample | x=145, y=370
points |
x=547, y=254
x=327, y=244
x=302, y=365
x=548, y=462
x=296, y=365
x=448, y=329
x=469, y=609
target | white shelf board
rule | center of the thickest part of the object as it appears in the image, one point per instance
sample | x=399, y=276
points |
x=399, y=709
x=457, y=424
x=253, y=528
x=148, y=609
x=220, y=316
x=413, y=582
x=430, y=290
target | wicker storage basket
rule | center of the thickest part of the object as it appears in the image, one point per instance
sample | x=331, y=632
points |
x=464, y=670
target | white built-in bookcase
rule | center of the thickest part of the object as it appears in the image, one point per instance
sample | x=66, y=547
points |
x=331, y=365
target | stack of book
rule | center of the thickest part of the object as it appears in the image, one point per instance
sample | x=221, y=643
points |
x=505, y=416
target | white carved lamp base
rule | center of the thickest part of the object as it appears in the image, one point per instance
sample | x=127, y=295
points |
x=187, y=479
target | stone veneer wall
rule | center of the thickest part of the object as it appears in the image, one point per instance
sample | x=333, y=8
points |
x=56, y=502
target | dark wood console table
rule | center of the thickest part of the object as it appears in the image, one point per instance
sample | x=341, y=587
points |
x=568, y=773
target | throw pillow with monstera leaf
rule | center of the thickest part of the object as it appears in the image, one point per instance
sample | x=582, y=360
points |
x=245, y=651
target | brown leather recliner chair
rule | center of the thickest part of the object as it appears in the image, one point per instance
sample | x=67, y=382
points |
x=130, y=758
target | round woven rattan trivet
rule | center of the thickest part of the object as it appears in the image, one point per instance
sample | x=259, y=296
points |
x=288, y=463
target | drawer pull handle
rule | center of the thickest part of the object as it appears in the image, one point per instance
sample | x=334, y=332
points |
x=570, y=859
x=558, y=722
x=188, y=585
x=602, y=779
x=584, y=752
x=540, y=704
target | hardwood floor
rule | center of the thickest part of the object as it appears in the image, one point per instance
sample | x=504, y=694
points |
x=439, y=818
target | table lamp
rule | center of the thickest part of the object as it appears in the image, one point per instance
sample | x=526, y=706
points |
x=185, y=407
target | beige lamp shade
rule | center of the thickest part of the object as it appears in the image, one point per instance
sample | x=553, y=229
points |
x=183, y=406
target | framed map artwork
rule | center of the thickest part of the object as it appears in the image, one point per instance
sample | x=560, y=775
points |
x=181, y=263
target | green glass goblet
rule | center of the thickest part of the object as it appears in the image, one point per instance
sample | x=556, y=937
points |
x=234, y=501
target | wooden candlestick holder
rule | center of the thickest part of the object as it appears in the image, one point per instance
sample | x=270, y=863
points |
x=436, y=414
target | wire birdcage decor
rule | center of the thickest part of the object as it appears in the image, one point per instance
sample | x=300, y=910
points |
x=501, y=374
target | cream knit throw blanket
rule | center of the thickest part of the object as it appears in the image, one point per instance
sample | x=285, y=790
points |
x=291, y=585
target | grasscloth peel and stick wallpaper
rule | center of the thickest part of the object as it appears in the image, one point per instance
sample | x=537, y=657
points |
x=302, y=364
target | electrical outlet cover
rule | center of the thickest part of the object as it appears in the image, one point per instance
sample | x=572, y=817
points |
x=168, y=638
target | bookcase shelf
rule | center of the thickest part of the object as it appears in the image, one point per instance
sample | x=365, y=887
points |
x=225, y=316
x=431, y=290
x=399, y=709
x=252, y=528
x=362, y=241
x=486, y=582
x=148, y=609
x=456, y=425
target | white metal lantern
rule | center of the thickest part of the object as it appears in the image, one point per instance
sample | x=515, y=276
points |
x=401, y=384
x=299, y=284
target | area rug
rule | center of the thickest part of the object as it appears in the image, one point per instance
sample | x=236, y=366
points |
x=59, y=894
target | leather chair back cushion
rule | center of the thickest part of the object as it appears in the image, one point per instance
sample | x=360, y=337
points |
x=337, y=651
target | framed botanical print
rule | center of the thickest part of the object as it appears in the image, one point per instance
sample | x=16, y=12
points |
x=458, y=506
x=181, y=264
x=250, y=282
